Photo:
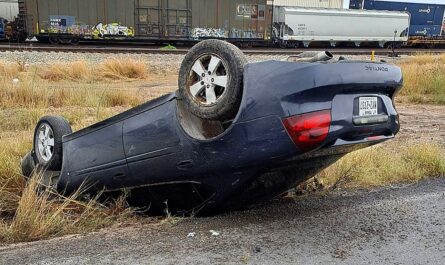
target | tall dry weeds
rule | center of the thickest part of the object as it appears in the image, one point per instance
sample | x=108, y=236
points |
x=75, y=71
x=29, y=93
x=424, y=79
x=111, y=69
x=385, y=165
x=10, y=70
x=42, y=213
x=119, y=69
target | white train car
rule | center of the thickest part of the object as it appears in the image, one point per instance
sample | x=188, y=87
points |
x=310, y=3
x=9, y=9
x=294, y=25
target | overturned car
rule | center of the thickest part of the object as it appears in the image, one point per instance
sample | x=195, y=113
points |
x=235, y=133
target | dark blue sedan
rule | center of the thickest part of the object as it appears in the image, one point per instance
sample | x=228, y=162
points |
x=234, y=134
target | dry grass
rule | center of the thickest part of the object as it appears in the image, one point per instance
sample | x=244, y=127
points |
x=8, y=70
x=42, y=214
x=385, y=165
x=424, y=79
x=11, y=180
x=74, y=71
x=111, y=69
x=32, y=93
x=118, y=69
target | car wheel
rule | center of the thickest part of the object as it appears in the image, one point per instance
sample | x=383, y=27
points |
x=48, y=141
x=211, y=80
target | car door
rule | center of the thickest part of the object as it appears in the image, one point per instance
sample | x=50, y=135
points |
x=96, y=156
x=151, y=145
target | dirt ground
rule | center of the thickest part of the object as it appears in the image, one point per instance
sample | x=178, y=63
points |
x=422, y=122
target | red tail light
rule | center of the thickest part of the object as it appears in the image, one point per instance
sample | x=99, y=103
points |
x=308, y=130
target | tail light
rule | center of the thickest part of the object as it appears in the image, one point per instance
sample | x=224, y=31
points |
x=309, y=130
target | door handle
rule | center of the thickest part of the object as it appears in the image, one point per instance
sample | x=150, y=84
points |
x=119, y=176
x=186, y=164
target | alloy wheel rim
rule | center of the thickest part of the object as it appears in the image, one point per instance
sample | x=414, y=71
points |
x=45, y=142
x=208, y=79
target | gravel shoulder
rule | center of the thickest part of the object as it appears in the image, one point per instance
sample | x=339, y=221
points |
x=398, y=225
x=157, y=62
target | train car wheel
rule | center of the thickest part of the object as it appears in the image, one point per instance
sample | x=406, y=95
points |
x=74, y=41
x=283, y=44
x=53, y=40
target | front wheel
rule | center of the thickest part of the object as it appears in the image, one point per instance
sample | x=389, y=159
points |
x=48, y=141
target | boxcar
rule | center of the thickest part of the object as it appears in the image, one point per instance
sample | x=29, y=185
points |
x=158, y=20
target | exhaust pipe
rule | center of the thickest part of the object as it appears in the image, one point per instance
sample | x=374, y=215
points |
x=311, y=57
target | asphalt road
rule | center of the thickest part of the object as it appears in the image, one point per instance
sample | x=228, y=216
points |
x=399, y=225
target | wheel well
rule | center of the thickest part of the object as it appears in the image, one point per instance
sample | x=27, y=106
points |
x=198, y=128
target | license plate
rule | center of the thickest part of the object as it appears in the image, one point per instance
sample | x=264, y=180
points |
x=368, y=106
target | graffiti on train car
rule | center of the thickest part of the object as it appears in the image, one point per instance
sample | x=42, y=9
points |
x=209, y=33
x=234, y=33
x=256, y=12
x=113, y=29
x=69, y=25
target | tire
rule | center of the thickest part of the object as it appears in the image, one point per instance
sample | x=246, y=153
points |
x=48, y=141
x=28, y=165
x=206, y=69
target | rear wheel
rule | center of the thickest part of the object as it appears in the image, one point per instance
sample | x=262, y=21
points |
x=48, y=141
x=211, y=79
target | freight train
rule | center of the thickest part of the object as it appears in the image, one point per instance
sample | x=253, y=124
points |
x=244, y=22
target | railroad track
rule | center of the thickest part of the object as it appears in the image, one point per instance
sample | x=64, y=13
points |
x=87, y=48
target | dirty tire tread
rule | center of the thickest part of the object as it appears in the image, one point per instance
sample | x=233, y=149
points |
x=228, y=106
x=60, y=127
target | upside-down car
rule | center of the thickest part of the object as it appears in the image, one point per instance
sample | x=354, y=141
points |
x=235, y=133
